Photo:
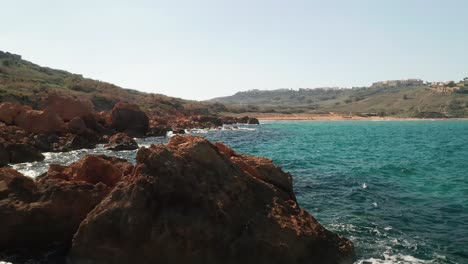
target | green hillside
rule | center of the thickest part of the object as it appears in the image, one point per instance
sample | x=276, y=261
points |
x=397, y=98
x=27, y=83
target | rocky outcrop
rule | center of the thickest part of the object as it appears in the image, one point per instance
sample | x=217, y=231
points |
x=207, y=121
x=19, y=153
x=253, y=121
x=37, y=216
x=194, y=202
x=40, y=122
x=121, y=141
x=91, y=169
x=158, y=131
x=68, y=108
x=43, y=215
x=9, y=111
x=128, y=118
x=77, y=126
x=229, y=120
x=78, y=142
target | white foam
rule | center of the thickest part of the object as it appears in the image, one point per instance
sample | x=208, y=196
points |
x=394, y=259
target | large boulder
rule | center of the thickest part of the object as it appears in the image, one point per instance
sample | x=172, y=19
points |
x=40, y=122
x=121, y=141
x=9, y=111
x=68, y=108
x=128, y=118
x=194, y=202
x=37, y=216
x=91, y=169
x=76, y=126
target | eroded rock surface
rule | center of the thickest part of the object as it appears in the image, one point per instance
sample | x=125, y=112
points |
x=194, y=202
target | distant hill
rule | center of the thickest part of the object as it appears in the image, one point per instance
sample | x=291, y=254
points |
x=405, y=98
x=27, y=83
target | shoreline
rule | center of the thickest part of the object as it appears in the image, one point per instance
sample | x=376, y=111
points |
x=332, y=117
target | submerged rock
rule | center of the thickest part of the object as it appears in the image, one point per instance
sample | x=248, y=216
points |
x=121, y=141
x=194, y=202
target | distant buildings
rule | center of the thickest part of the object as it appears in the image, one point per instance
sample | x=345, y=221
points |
x=395, y=83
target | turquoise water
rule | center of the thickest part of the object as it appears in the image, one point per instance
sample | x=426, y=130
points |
x=398, y=189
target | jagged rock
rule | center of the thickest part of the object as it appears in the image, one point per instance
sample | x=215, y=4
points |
x=9, y=111
x=121, y=141
x=128, y=118
x=178, y=131
x=76, y=126
x=20, y=153
x=78, y=142
x=158, y=131
x=40, y=122
x=207, y=121
x=193, y=202
x=253, y=121
x=42, y=143
x=43, y=215
x=68, y=108
x=91, y=169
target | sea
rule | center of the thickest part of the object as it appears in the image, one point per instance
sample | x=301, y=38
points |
x=397, y=189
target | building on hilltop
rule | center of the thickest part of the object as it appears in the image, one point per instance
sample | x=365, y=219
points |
x=395, y=83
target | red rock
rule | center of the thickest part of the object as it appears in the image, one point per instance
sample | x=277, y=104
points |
x=37, y=216
x=43, y=215
x=76, y=126
x=68, y=108
x=92, y=169
x=191, y=202
x=9, y=111
x=121, y=141
x=41, y=122
x=128, y=118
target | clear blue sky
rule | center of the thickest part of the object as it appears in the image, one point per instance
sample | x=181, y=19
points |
x=199, y=49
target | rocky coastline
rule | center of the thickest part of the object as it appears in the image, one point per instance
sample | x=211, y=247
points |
x=190, y=201
x=64, y=124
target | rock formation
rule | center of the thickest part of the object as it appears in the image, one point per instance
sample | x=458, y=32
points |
x=121, y=141
x=37, y=216
x=194, y=202
x=68, y=108
x=41, y=122
x=128, y=118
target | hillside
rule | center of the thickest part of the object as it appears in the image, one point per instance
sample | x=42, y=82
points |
x=27, y=83
x=408, y=98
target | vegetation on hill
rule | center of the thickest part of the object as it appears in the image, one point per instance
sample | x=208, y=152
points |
x=27, y=83
x=408, y=98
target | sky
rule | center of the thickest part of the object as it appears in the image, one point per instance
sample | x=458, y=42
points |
x=201, y=49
